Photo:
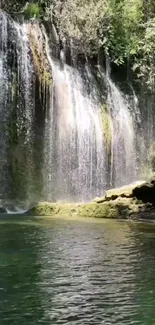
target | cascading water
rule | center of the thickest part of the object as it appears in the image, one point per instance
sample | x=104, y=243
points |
x=60, y=138
x=26, y=110
x=3, y=102
x=77, y=156
x=16, y=110
x=75, y=143
x=124, y=169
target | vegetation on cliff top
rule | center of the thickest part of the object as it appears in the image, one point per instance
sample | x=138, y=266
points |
x=122, y=29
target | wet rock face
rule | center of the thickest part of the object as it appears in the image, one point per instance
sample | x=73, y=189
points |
x=118, y=193
x=145, y=192
x=2, y=210
x=11, y=6
x=142, y=191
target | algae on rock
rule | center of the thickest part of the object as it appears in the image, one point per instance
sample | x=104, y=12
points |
x=107, y=126
x=152, y=157
x=37, y=45
x=89, y=210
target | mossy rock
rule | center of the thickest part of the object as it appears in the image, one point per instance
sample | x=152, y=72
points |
x=37, y=45
x=135, y=201
x=106, y=126
x=153, y=161
x=121, y=208
x=89, y=210
x=123, y=192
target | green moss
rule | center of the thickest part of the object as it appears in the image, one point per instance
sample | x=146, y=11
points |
x=39, y=57
x=89, y=210
x=32, y=10
x=94, y=210
x=46, y=77
x=152, y=157
x=44, y=209
x=120, y=208
x=107, y=126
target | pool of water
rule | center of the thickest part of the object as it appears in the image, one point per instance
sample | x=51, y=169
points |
x=76, y=272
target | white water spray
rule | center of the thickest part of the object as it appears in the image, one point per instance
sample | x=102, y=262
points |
x=78, y=148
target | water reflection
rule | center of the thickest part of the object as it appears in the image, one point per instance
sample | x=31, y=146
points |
x=75, y=272
x=20, y=295
x=144, y=237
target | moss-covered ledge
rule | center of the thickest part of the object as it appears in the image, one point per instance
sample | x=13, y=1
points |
x=117, y=209
x=129, y=202
x=94, y=210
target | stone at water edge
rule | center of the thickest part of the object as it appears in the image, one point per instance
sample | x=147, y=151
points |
x=124, y=191
x=145, y=192
x=127, y=202
x=2, y=210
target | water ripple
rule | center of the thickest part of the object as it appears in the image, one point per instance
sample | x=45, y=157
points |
x=76, y=273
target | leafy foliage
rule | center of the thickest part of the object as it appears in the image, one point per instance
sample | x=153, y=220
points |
x=125, y=30
x=83, y=23
x=122, y=29
x=32, y=10
x=92, y=25
x=145, y=63
x=12, y=5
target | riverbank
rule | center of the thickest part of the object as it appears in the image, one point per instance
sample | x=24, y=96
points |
x=135, y=201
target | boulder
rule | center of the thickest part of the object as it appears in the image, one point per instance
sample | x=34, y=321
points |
x=145, y=192
x=124, y=191
x=2, y=210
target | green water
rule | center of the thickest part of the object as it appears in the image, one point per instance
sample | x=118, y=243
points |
x=76, y=273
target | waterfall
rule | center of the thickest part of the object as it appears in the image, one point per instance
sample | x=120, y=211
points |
x=124, y=169
x=62, y=137
x=26, y=110
x=77, y=158
x=73, y=136
x=3, y=94
x=16, y=110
